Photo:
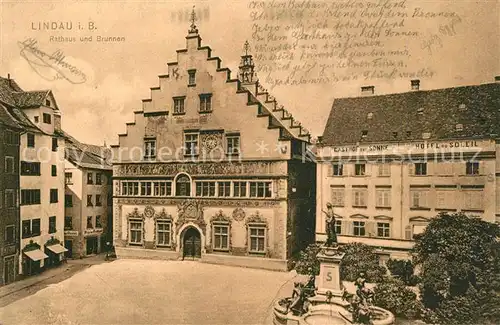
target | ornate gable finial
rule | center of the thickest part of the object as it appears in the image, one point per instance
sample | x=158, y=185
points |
x=246, y=47
x=193, y=29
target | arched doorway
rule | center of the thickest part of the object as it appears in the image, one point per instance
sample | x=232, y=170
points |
x=191, y=243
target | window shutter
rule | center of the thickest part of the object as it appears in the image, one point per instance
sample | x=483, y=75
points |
x=345, y=227
x=411, y=169
x=330, y=169
x=408, y=232
x=370, y=228
x=350, y=228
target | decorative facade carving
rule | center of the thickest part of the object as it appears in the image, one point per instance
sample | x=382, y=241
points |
x=201, y=168
x=238, y=214
x=220, y=217
x=163, y=215
x=149, y=211
x=218, y=202
x=257, y=217
x=117, y=220
x=190, y=211
x=136, y=215
x=153, y=124
x=212, y=140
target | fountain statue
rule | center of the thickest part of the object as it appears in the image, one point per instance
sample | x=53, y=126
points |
x=330, y=226
x=323, y=299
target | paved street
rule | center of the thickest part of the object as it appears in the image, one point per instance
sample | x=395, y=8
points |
x=153, y=292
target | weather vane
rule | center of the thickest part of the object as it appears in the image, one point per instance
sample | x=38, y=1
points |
x=246, y=47
x=193, y=20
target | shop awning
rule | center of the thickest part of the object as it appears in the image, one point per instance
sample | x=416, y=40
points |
x=57, y=248
x=36, y=255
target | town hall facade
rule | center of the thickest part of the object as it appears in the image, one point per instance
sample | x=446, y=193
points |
x=213, y=168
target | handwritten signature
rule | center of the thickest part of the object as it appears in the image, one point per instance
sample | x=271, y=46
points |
x=50, y=66
x=434, y=42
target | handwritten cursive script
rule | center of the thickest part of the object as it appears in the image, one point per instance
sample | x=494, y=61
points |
x=50, y=66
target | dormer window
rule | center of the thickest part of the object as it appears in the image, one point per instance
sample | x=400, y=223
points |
x=192, y=77
x=459, y=127
x=420, y=111
x=47, y=118
x=37, y=119
x=461, y=106
x=364, y=133
x=369, y=116
x=408, y=134
x=394, y=134
x=426, y=135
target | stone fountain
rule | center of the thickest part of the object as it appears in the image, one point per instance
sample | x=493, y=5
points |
x=328, y=302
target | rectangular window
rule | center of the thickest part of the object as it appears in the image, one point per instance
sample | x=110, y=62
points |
x=191, y=144
x=150, y=148
x=90, y=178
x=30, y=168
x=68, y=178
x=472, y=168
x=98, y=222
x=257, y=239
x=29, y=197
x=37, y=119
x=383, y=198
x=90, y=222
x=360, y=169
x=146, y=189
x=384, y=170
x=54, y=144
x=68, y=223
x=162, y=188
x=224, y=188
x=221, y=237
x=359, y=228
x=205, y=188
x=337, y=169
x=98, y=201
x=473, y=200
x=164, y=232
x=30, y=140
x=192, y=77
x=47, y=118
x=359, y=197
x=338, y=227
x=420, y=169
x=260, y=189
x=135, y=236
x=338, y=195
x=233, y=144
x=52, y=225
x=239, y=189
x=68, y=200
x=10, y=198
x=179, y=105
x=89, y=201
x=10, y=237
x=205, y=102
x=98, y=178
x=26, y=228
x=11, y=137
x=35, y=227
x=54, y=170
x=418, y=198
x=445, y=199
x=9, y=165
x=383, y=229
x=54, y=196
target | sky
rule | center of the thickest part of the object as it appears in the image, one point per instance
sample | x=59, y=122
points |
x=119, y=75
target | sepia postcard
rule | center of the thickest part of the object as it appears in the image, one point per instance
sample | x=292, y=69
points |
x=249, y=162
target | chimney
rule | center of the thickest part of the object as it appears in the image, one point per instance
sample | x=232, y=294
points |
x=367, y=90
x=497, y=79
x=415, y=84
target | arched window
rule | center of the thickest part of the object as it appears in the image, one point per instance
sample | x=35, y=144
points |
x=183, y=185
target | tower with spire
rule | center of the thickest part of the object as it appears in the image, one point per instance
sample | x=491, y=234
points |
x=246, y=73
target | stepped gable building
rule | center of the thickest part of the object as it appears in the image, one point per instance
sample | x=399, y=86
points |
x=41, y=176
x=390, y=163
x=88, y=198
x=213, y=168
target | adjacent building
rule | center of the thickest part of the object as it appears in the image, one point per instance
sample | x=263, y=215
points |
x=390, y=163
x=10, y=131
x=88, y=198
x=213, y=168
x=41, y=180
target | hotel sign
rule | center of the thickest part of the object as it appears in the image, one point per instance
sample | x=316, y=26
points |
x=424, y=147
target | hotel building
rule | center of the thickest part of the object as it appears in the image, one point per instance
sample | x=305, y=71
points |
x=41, y=171
x=390, y=163
x=213, y=168
x=88, y=198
